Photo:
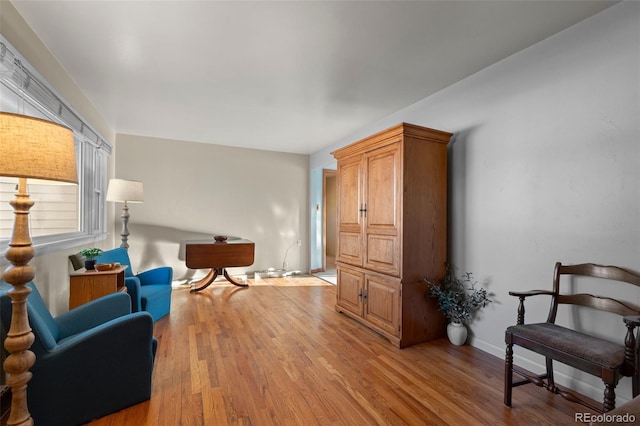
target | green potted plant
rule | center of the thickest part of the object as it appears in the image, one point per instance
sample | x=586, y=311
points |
x=90, y=255
x=458, y=299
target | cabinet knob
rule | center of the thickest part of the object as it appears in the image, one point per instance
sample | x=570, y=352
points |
x=362, y=294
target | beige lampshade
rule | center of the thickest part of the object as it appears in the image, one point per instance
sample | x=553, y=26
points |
x=34, y=148
x=125, y=190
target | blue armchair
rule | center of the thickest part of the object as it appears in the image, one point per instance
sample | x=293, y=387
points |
x=91, y=361
x=150, y=290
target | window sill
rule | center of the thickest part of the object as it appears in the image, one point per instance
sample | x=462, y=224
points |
x=52, y=243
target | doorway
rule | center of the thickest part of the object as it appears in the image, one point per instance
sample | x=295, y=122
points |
x=329, y=225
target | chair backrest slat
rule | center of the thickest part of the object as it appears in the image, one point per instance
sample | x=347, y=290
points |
x=602, y=303
x=598, y=271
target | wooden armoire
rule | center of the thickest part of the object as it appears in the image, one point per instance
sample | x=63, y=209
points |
x=392, y=231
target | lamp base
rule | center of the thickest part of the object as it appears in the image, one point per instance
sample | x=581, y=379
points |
x=125, y=231
x=19, y=337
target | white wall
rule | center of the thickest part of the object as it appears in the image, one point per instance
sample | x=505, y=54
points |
x=545, y=167
x=195, y=190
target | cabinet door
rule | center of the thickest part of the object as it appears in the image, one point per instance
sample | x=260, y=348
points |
x=350, y=290
x=383, y=176
x=382, y=303
x=88, y=286
x=349, y=211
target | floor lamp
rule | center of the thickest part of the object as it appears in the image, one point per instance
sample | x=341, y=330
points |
x=38, y=149
x=125, y=191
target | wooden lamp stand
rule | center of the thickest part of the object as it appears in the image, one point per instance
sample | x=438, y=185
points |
x=19, y=338
x=39, y=149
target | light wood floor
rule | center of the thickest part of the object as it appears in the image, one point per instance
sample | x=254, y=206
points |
x=277, y=353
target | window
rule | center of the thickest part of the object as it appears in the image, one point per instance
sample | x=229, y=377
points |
x=63, y=216
x=55, y=210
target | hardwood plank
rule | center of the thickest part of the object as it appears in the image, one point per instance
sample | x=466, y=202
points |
x=277, y=353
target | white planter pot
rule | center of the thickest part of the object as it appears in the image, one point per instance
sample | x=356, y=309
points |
x=457, y=333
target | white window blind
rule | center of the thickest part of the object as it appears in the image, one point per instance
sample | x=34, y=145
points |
x=63, y=215
x=56, y=212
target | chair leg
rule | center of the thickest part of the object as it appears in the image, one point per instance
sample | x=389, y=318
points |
x=551, y=384
x=508, y=375
x=609, y=397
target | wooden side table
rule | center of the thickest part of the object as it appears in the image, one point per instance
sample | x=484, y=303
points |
x=86, y=286
x=218, y=255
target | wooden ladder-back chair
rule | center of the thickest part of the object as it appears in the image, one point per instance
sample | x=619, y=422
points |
x=602, y=358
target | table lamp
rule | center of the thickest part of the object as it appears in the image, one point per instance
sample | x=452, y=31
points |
x=30, y=148
x=126, y=191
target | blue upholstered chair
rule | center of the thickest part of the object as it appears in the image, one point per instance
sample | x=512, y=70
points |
x=150, y=290
x=91, y=361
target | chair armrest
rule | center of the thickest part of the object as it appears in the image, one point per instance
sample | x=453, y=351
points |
x=531, y=293
x=133, y=288
x=631, y=348
x=93, y=314
x=161, y=275
x=632, y=320
x=524, y=294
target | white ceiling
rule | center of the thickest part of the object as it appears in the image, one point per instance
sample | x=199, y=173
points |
x=291, y=76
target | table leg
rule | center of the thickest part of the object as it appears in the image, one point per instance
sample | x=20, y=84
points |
x=206, y=281
x=232, y=281
x=211, y=276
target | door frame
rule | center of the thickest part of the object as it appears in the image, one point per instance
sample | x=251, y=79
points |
x=326, y=173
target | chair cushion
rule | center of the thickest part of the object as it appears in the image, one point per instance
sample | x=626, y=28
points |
x=560, y=339
x=156, y=299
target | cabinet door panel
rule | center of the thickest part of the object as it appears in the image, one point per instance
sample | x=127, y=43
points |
x=349, y=193
x=382, y=254
x=382, y=178
x=382, y=306
x=349, y=214
x=350, y=248
x=349, y=291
